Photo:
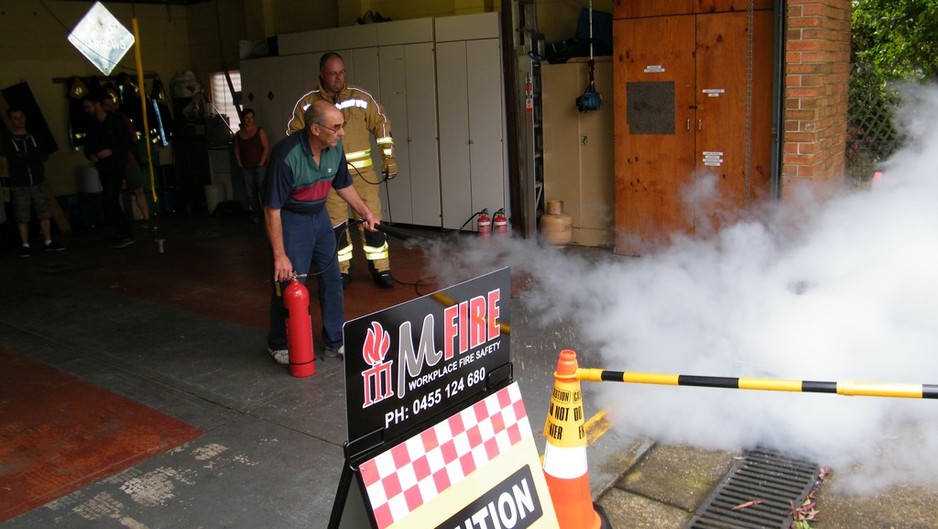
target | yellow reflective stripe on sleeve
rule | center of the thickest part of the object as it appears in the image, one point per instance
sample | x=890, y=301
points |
x=384, y=139
x=295, y=123
x=358, y=155
x=373, y=253
x=361, y=164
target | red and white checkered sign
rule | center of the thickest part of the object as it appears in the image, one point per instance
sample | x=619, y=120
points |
x=416, y=471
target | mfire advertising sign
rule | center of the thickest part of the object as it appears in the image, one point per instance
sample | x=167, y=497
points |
x=417, y=362
x=438, y=432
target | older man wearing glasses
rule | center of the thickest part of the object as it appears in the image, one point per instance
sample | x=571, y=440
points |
x=301, y=171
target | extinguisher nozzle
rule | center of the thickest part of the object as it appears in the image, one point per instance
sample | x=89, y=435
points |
x=395, y=232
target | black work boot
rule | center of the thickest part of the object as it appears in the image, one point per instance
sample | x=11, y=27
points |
x=383, y=279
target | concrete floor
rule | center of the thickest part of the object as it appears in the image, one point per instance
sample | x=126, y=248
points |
x=183, y=332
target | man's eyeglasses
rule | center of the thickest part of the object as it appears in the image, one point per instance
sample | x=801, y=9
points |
x=334, y=74
x=335, y=129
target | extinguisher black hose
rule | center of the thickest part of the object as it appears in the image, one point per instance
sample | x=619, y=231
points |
x=470, y=219
x=328, y=266
x=405, y=235
x=385, y=176
x=395, y=232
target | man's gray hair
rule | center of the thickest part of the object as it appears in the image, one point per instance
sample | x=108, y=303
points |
x=313, y=114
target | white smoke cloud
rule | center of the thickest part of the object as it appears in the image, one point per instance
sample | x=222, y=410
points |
x=845, y=289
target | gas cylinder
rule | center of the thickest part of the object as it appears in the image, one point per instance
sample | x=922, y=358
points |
x=485, y=224
x=299, y=329
x=500, y=224
x=556, y=226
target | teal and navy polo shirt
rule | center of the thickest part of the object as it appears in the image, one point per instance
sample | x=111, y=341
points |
x=294, y=181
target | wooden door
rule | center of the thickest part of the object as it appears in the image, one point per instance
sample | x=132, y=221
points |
x=652, y=8
x=654, y=132
x=655, y=8
x=716, y=131
x=723, y=140
x=721, y=6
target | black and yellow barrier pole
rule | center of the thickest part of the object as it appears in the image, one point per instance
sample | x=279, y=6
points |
x=849, y=388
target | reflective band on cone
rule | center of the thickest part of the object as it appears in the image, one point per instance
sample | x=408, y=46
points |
x=571, y=497
x=565, y=464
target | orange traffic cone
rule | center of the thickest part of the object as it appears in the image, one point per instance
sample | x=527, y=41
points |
x=565, y=466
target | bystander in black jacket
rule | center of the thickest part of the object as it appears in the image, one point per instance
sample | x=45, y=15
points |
x=26, y=156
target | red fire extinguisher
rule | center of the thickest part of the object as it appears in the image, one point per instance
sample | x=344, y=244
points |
x=500, y=224
x=485, y=224
x=299, y=329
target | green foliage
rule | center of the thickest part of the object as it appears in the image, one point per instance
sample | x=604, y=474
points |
x=898, y=38
x=892, y=40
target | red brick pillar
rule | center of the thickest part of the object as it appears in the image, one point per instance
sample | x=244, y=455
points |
x=817, y=75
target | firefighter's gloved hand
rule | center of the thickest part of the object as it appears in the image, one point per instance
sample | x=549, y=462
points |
x=389, y=167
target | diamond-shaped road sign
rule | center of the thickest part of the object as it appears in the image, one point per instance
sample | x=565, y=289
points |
x=101, y=38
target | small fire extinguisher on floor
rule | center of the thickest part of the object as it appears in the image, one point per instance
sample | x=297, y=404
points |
x=485, y=224
x=500, y=224
x=299, y=329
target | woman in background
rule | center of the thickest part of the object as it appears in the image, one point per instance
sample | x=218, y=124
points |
x=251, y=150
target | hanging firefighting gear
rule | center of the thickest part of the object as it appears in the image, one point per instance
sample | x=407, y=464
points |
x=77, y=119
x=364, y=116
x=163, y=117
x=129, y=97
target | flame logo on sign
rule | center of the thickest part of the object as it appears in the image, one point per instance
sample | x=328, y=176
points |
x=377, y=343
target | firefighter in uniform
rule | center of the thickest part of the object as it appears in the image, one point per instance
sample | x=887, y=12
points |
x=364, y=116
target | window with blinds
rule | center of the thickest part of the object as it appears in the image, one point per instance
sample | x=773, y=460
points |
x=222, y=101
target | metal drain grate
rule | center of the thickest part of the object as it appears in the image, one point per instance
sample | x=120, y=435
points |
x=772, y=479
